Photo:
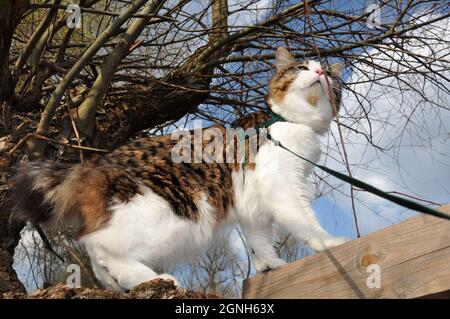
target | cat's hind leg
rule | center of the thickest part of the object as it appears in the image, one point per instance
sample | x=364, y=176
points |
x=122, y=273
x=130, y=273
x=104, y=277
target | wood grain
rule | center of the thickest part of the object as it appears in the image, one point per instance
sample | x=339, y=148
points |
x=414, y=260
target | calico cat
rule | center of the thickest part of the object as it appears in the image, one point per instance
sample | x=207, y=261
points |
x=138, y=212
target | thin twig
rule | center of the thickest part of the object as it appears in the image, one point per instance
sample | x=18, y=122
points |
x=52, y=141
x=102, y=12
x=88, y=270
x=74, y=127
x=47, y=244
x=335, y=111
x=247, y=251
x=282, y=244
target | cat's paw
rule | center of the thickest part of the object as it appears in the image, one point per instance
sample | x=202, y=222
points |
x=340, y=240
x=268, y=265
x=169, y=277
x=319, y=245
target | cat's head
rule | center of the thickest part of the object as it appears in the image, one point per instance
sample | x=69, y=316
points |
x=299, y=91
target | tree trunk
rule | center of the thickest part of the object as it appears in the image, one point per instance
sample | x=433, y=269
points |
x=10, y=15
x=9, y=236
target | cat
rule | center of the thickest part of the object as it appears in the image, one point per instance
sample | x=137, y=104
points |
x=139, y=213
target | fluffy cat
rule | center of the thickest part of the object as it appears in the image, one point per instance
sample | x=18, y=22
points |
x=139, y=213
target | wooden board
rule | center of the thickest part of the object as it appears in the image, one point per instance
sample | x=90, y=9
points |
x=413, y=258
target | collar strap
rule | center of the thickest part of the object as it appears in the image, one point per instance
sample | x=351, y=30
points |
x=271, y=120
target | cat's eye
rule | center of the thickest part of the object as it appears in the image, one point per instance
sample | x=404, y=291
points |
x=301, y=67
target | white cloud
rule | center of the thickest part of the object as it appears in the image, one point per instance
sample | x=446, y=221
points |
x=252, y=11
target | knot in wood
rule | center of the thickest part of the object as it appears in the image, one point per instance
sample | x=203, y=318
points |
x=369, y=259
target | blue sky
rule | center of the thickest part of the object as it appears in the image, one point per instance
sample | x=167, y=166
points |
x=333, y=218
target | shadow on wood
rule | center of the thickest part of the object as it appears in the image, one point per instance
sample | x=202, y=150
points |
x=413, y=258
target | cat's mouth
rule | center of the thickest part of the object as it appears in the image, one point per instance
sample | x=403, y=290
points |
x=318, y=80
x=315, y=84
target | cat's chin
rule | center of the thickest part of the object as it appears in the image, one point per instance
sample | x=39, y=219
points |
x=315, y=86
x=323, y=84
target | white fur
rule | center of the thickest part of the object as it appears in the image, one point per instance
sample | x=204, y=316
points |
x=144, y=237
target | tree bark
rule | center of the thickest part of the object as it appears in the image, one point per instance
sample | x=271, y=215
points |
x=85, y=115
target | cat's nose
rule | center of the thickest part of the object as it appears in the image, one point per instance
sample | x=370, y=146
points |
x=319, y=71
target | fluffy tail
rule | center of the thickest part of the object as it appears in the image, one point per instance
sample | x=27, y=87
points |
x=37, y=192
x=76, y=196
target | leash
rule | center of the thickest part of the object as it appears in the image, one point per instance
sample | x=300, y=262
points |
x=407, y=203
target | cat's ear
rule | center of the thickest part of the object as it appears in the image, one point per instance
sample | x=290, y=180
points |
x=283, y=58
x=336, y=69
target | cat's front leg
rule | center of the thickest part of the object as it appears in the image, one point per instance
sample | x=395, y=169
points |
x=265, y=265
x=297, y=217
x=258, y=236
